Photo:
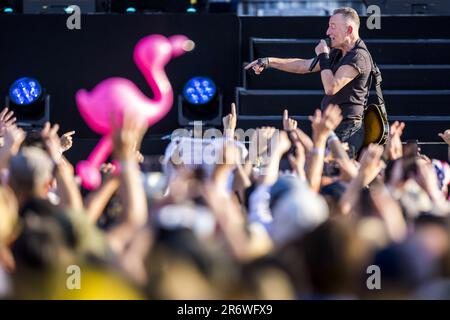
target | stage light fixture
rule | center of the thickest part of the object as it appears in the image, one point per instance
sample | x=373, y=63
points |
x=143, y=6
x=200, y=101
x=29, y=102
x=25, y=91
x=199, y=90
x=130, y=10
x=57, y=6
x=192, y=6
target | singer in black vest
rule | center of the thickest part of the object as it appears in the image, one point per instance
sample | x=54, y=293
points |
x=344, y=71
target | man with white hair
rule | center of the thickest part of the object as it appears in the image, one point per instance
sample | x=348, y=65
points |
x=31, y=174
x=344, y=70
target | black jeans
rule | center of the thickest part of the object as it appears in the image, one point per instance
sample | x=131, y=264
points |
x=352, y=132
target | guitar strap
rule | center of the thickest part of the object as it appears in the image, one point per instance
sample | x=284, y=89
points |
x=375, y=74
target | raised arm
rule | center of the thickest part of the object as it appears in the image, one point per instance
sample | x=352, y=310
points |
x=131, y=190
x=371, y=165
x=96, y=202
x=446, y=137
x=67, y=188
x=12, y=140
x=293, y=65
x=244, y=243
x=322, y=126
x=279, y=145
x=6, y=120
x=230, y=122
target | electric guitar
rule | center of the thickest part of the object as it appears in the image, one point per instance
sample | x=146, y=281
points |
x=376, y=124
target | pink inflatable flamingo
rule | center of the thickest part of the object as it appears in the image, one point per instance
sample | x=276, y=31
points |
x=118, y=95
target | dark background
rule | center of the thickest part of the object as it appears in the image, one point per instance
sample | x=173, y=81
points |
x=64, y=61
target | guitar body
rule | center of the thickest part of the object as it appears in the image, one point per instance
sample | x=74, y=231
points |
x=376, y=125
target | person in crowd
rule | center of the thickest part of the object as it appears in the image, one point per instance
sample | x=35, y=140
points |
x=287, y=216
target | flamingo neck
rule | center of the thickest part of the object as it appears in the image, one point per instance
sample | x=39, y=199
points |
x=154, y=73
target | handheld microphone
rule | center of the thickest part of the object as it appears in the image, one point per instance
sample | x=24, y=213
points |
x=316, y=59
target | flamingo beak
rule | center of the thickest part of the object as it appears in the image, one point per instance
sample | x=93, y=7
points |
x=180, y=45
x=188, y=45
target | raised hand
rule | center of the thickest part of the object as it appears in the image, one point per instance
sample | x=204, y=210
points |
x=348, y=169
x=6, y=120
x=230, y=122
x=259, y=141
x=322, y=47
x=66, y=141
x=280, y=143
x=13, y=139
x=227, y=159
x=128, y=137
x=52, y=141
x=303, y=138
x=426, y=178
x=371, y=163
x=323, y=123
x=390, y=211
x=394, y=148
x=288, y=123
x=445, y=136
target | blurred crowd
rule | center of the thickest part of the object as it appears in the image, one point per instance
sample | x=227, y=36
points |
x=285, y=215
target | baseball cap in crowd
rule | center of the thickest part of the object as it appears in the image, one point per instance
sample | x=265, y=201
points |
x=296, y=209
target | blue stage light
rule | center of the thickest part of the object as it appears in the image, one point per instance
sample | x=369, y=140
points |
x=25, y=91
x=8, y=10
x=199, y=90
x=69, y=10
x=130, y=10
